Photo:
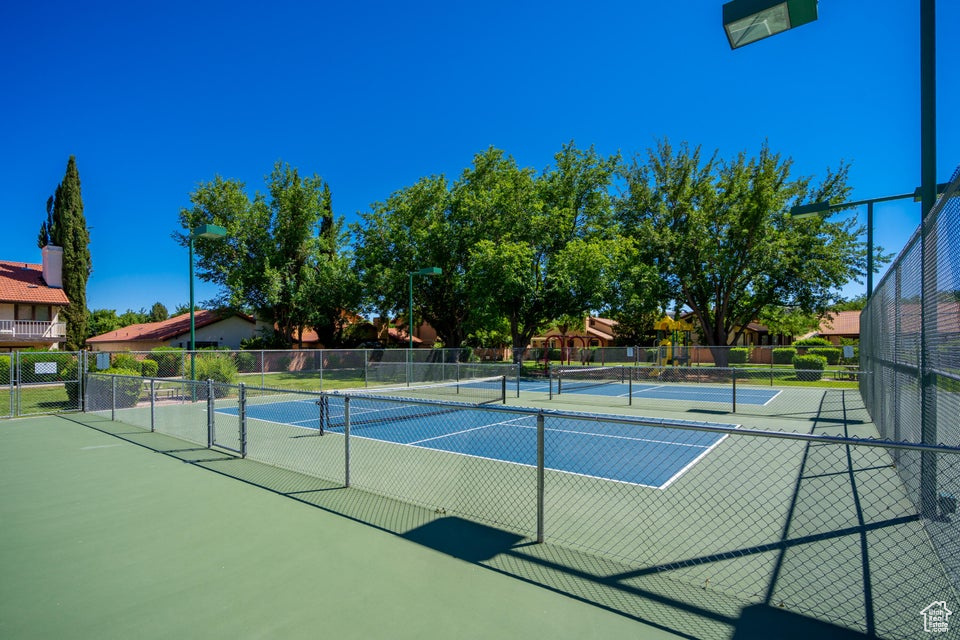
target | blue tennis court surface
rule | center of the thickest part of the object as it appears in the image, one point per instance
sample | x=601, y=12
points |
x=651, y=456
x=679, y=392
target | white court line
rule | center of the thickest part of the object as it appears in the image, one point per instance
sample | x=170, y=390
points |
x=779, y=391
x=455, y=433
x=694, y=461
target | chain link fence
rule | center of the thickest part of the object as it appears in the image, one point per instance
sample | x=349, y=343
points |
x=39, y=382
x=817, y=523
x=910, y=348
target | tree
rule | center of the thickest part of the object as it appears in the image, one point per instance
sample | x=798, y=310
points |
x=158, y=313
x=720, y=236
x=785, y=321
x=553, y=252
x=131, y=317
x=418, y=227
x=66, y=227
x=856, y=304
x=268, y=261
x=102, y=321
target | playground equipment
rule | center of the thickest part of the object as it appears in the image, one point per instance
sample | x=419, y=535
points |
x=673, y=340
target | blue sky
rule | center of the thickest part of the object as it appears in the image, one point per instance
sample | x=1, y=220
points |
x=154, y=98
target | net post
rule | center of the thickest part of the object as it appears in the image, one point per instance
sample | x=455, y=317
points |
x=540, y=475
x=503, y=388
x=113, y=398
x=153, y=402
x=346, y=441
x=242, y=413
x=210, y=413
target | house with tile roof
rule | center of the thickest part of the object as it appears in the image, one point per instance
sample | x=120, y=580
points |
x=31, y=297
x=840, y=324
x=212, y=329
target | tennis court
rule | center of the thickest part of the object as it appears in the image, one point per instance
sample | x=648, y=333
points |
x=649, y=456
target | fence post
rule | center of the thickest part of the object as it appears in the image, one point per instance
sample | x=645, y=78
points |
x=13, y=372
x=540, y=475
x=242, y=412
x=630, y=387
x=346, y=441
x=81, y=374
x=153, y=397
x=210, y=414
x=263, y=362
x=113, y=398
x=366, y=363
x=19, y=386
x=733, y=378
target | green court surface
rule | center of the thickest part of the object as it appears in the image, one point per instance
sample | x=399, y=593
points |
x=108, y=530
x=102, y=538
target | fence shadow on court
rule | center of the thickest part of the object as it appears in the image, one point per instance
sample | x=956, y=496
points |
x=651, y=597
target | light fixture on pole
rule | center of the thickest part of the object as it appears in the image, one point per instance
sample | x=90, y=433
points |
x=802, y=211
x=203, y=231
x=746, y=21
x=428, y=271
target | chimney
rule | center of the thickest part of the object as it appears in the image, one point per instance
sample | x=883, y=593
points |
x=53, y=266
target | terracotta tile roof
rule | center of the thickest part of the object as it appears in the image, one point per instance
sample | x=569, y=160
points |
x=22, y=282
x=840, y=323
x=166, y=330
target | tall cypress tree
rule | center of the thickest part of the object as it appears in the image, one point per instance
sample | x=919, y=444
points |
x=68, y=229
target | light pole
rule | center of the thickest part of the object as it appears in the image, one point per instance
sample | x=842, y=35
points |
x=746, y=14
x=820, y=208
x=203, y=231
x=428, y=271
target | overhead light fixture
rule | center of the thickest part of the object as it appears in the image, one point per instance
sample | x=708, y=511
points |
x=747, y=21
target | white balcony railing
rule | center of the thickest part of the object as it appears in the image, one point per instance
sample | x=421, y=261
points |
x=23, y=330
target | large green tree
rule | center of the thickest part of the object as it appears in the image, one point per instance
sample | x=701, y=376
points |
x=723, y=242
x=434, y=224
x=558, y=255
x=66, y=227
x=269, y=261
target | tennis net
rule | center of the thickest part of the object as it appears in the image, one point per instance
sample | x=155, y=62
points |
x=388, y=405
x=576, y=378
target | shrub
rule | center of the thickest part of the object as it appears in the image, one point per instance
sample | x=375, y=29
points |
x=169, y=361
x=813, y=342
x=246, y=361
x=832, y=354
x=5, y=368
x=739, y=355
x=809, y=368
x=126, y=362
x=219, y=368
x=784, y=355
x=129, y=384
x=149, y=368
